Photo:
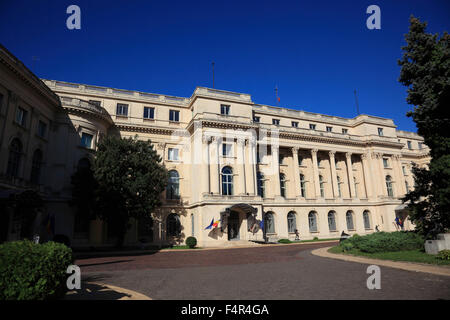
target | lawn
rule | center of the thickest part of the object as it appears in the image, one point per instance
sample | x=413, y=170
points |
x=407, y=255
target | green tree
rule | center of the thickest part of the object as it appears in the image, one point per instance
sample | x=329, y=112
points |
x=130, y=178
x=425, y=71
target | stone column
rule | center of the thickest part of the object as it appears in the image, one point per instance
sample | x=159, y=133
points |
x=333, y=174
x=399, y=185
x=296, y=172
x=276, y=171
x=368, y=182
x=316, y=172
x=250, y=166
x=351, y=180
x=204, y=166
x=213, y=165
x=379, y=176
x=240, y=159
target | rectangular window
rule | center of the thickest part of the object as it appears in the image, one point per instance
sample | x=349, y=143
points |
x=173, y=154
x=380, y=132
x=42, y=129
x=86, y=140
x=385, y=162
x=312, y=126
x=149, y=113
x=329, y=129
x=295, y=124
x=276, y=122
x=224, y=109
x=404, y=170
x=420, y=145
x=96, y=102
x=21, y=116
x=122, y=110
x=256, y=119
x=344, y=131
x=226, y=150
x=174, y=115
x=409, y=144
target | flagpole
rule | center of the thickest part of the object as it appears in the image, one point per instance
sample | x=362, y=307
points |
x=276, y=94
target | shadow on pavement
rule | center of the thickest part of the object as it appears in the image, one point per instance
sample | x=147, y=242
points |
x=94, y=291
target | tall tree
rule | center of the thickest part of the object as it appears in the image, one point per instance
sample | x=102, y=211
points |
x=130, y=178
x=425, y=71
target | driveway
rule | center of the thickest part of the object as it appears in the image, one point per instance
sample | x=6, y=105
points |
x=266, y=272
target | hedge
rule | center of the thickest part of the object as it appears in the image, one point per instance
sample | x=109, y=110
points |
x=384, y=242
x=191, y=242
x=30, y=271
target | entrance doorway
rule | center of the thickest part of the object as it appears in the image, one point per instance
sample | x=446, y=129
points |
x=233, y=226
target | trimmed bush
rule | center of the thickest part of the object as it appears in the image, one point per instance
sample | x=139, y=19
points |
x=386, y=242
x=315, y=238
x=191, y=242
x=284, y=241
x=30, y=271
x=443, y=255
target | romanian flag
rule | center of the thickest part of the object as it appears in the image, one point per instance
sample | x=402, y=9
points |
x=213, y=224
x=216, y=224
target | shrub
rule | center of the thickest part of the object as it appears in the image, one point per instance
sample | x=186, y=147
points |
x=30, y=271
x=315, y=238
x=443, y=255
x=386, y=241
x=284, y=241
x=347, y=246
x=191, y=242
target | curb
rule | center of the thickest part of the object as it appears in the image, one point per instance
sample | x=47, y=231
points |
x=409, y=266
x=125, y=253
x=128, y=294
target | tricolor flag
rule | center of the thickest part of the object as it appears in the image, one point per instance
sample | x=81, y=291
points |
x=213, y=224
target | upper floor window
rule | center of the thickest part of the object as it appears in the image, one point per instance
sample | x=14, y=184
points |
x=344, y=131
x=86, y=140
x=256, y=119
x=312, y=126
x=300, y=160
x=404, y=170
x=329, y=129
x=149, y=113
x=21, y=116
x=276, y=122
x=409, y=144
x=95, y=102
x=283, y=185
x=302, y=185
x=36, y=163
x=42, y=129
x=174, y=115
x=224, y=109
x=385, y=162
x=420, y=145
x=227, y=181
x=173, y=154
x=339, y=186
x=260, y=178
x=227, y=149
x=390, y=192
x=380, y=132
x=173, y=185
x=322, y=188
x=122, y=110
x=15, y=155
x=295, y=124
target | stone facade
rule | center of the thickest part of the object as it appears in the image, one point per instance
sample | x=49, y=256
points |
x=230, y=159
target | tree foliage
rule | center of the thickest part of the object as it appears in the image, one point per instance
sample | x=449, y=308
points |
x=425, y=70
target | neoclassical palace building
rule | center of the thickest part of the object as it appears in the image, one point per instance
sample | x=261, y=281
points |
x=260, y=172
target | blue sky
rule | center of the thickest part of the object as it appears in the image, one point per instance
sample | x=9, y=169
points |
x=316, y=52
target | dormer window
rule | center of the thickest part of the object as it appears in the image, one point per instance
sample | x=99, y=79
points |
x=312, y=126
x=122, y=110
x=380, y=132
x=276, y=122
x=295, y=124
x=224, y=109
x=409, y=144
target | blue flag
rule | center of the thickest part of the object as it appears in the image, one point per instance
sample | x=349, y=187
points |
x=261, y=225
x=211, y=224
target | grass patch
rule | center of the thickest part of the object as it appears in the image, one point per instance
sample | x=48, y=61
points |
x=416, y=255
x=182, y=247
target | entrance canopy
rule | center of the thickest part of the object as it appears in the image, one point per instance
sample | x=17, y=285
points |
x=244, y=207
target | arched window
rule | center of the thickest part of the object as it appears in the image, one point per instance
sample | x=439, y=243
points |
x=349, y=219
x=282, y=185
x=366, y=218
x=173, y=185
x=339, y=186
x=227, y=181
x=36, y=163
x=15, y=154
x=173, y=225
x=389, y=186
x=269, y=222
x=292, y=222
x=312, y=220
x=332, y=221
x=260, y=178
x=322, y=189
x=303, y=185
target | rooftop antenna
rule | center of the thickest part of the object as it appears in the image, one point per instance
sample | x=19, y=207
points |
x=357, y=106
x=213, y=72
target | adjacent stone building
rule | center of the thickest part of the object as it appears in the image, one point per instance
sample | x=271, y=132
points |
x=229, y=159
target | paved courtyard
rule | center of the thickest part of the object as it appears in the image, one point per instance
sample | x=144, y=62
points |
x=266, y=272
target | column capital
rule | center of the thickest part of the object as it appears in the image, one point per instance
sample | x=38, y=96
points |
x=332, y=153
x=364, y=156
x=240, y=141
x=377, y=155
x=161, y=145
x=396, y=156
x=206, y=139
x=314, y=152
x=348, y=155
x=295, y=149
